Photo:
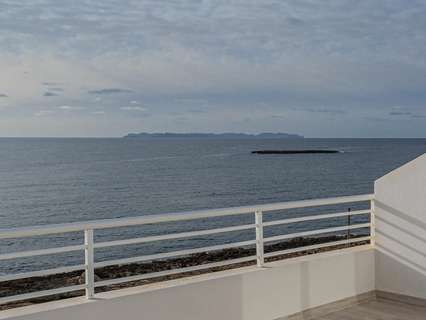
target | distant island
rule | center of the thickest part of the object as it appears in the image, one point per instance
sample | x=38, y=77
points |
x=169, y=135
x=294, y=151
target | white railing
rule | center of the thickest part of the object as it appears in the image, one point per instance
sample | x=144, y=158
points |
x=259, y=225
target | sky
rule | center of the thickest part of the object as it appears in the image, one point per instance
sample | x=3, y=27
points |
x=320, y=68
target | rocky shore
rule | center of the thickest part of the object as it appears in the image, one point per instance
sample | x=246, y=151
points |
x=9, y=288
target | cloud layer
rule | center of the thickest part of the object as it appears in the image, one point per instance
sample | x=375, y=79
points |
x=109, y=91
x=319, y=68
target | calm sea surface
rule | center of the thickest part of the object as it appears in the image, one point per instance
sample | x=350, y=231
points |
x=44, y=181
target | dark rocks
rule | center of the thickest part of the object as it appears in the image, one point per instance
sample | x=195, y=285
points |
x=81, y=279
x=21, y=286
x=293, y=151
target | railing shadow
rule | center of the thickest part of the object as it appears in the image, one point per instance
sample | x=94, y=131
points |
x=407, y=262
x=402, y=215
x=388, y=236
x=383, y=247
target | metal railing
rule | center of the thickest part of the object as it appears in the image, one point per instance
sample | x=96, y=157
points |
x=89, y=246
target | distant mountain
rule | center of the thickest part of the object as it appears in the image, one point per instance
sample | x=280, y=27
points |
x=168, y=135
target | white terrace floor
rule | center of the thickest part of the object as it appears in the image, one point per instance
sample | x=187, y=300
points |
x=380, y=309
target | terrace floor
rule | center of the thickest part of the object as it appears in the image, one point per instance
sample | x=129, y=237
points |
x=379, y=309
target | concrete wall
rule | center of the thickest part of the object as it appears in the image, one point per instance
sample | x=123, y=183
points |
x=281, y=289
x=400, y=209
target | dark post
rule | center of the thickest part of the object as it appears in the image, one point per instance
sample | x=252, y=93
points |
x=348, y=235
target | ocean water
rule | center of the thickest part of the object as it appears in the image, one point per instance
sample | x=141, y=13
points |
x=45, y=181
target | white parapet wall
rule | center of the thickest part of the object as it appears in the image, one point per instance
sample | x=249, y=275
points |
x=400, y=209
x=279, y=289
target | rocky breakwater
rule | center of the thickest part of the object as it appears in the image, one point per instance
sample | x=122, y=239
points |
x=293, y=151
x=21, y=286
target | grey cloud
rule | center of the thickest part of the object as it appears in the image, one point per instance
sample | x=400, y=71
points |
x=109, y=91
x=43, y=113
x=180, y=119
x=51, y=83
x=273, y=28
x=295, y=21
x=57, y=89
x=353, y=57
x=70, y=108
x=192, y=101
x=376, y=119
x=329, y=111
x=197, y=111
x=2, y=95
x=400, y=113
x=408, y=111
x=134, y=108
x=321, y=110
x=49, y=94
x=418, y=116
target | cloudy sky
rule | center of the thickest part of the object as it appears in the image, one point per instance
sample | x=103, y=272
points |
x=338, y=68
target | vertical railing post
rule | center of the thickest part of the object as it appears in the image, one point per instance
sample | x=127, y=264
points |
x=259, y=238
x=348, y=233
x=89, y=262
x=372, y=223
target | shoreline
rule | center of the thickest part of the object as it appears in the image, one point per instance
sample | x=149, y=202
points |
x=21, y=286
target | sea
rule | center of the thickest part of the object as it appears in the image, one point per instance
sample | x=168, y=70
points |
x=52, y=180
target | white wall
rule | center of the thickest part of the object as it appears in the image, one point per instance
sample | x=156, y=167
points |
x=280, y=289
x=400, y=209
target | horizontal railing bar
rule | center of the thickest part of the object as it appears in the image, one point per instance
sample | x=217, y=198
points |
x=316, y=246
x=39, y=294
x=42, y=252
x=173, y=254
x=149, y=219
x=42, y=273
x=172, y=236
x=174, y=271
x=318, y=231
x=315, y=217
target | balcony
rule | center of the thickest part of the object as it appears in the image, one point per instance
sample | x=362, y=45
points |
x=298, y=260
